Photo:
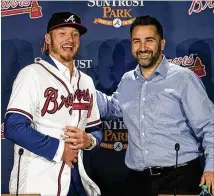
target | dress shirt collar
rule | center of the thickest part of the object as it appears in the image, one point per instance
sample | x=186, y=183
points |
x=63, y=69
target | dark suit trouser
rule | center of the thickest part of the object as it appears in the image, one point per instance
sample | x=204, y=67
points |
x=186, y=179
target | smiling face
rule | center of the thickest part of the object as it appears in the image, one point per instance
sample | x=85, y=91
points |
x=63, y=43
x=147, y=46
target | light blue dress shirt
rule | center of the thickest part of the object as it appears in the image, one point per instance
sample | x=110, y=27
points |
x=168, y=108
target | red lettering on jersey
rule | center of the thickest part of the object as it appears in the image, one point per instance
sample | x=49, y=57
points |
x=51, y=95
x=79, y=95
x=86, y=96
x=90, y=106
x=84, y=106
x=67, y=101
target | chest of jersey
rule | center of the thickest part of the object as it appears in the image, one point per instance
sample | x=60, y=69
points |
x=62, y=100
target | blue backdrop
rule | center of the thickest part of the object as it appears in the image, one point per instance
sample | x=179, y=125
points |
x=105, y=54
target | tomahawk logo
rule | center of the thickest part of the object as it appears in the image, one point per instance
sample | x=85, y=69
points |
x=71, y=18
x=14, y=7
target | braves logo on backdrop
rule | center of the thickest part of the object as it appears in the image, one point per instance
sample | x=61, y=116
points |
x=52, y=105
x=14, y=7
x=193, y=62
x=199, y=5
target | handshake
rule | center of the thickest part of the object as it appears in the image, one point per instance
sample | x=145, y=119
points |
x=75, y=139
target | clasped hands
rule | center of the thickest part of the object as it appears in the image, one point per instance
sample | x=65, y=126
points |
x=75, y=139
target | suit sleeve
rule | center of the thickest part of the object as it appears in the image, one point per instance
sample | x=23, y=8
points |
x=20, y=114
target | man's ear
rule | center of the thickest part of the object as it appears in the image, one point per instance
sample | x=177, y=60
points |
x=47, y=38
x=163, y=43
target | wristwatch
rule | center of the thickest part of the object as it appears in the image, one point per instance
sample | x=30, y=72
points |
x=93, y=142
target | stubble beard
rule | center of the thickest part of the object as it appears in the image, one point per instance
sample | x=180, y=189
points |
x=146, y=64
x=66, y=58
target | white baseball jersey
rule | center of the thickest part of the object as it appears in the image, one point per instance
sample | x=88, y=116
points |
x=51, y=102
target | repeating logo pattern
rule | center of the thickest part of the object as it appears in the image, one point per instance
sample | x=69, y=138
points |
x=199, y=6
x=13, y=7
x=193, y=62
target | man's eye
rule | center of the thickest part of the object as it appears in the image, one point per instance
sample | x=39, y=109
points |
x=137, y=41
x=76, y=35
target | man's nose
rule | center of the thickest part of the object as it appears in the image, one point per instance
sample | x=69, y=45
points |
x=143, y=46
x=70, y=38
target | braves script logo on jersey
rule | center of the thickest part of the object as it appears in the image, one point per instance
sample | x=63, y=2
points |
x=14, y=7
x=51, y=96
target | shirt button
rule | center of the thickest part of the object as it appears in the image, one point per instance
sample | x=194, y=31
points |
x=142, y=116
x=66, y=173
x=143, y=99
x=143, y=134
x=146, y=152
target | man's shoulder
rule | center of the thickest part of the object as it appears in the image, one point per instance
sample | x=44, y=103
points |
x=129, y=75
x=86, y=79
x=29, y=69
x=85, y=76
x=179, y=71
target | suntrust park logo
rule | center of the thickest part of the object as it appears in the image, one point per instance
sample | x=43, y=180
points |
x=199, y=6
x=113, y=14
x=193, y=62
x=115, y=135
x=13, y=7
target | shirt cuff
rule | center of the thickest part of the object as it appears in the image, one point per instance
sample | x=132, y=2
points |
x=59, y=152
x=209, y=165
x=93, y=142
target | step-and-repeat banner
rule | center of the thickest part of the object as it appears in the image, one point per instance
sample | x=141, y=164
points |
x=105, y=55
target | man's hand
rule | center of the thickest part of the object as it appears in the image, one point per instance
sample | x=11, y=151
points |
x=77, y=138
x=69, y=155
x=208, y=179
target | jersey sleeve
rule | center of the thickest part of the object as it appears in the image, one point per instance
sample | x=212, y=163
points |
x=22, y=107
x=94, y=118
x=24, y=97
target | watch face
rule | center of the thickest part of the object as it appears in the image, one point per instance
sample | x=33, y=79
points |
x=92, y=142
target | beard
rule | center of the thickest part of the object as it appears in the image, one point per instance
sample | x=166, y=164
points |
x=149, y=62
x=65, y=56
